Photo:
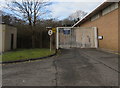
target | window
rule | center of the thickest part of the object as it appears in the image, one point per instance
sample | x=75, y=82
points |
x=95, y=17
x=110, y=8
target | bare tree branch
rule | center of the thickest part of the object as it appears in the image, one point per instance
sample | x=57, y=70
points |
x=29, y=10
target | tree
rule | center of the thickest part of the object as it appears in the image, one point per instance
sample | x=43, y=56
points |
x=67, y=23
x=30, y=11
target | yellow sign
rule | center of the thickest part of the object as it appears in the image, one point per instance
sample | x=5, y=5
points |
x=54, y=30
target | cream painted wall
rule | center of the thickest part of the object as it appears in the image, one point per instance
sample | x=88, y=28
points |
x=2, y=36
x=5, y=37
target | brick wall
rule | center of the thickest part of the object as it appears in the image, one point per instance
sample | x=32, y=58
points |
x=108, y=28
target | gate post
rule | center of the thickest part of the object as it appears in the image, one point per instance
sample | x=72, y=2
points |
x=57, y=38
x=96, y=36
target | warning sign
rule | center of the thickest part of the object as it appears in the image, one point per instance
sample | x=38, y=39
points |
x=54, y=30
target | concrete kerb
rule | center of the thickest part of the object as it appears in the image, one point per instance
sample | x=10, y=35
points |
x=109, y=51
x=32, y=59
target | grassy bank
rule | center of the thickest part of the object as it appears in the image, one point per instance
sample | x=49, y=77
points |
x=22, y=54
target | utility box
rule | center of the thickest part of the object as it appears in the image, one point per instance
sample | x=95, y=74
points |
x=8, y=38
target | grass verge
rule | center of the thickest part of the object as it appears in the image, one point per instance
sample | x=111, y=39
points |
x=23, y=54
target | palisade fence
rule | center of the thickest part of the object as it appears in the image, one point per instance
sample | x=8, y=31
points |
x=42, y=39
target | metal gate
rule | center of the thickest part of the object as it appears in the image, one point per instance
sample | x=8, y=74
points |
x=79, y=37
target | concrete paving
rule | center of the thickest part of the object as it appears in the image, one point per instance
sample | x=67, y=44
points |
x=72, y=67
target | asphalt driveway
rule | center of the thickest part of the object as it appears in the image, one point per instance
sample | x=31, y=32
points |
x=72, y=67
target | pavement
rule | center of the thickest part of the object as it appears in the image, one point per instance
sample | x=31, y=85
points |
x=72, y=67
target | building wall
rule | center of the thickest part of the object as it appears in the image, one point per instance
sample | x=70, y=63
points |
x=108, y=28
x=8, y=31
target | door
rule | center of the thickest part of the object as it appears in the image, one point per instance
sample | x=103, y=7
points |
x=12, y=41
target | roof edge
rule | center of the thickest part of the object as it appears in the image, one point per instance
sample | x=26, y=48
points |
x=89, y=13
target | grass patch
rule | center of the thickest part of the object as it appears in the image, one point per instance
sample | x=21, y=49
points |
x=23, y=54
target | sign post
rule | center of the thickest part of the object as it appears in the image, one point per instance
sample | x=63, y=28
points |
x=50, y=32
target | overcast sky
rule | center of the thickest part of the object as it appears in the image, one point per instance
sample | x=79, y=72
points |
x=63, y=8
